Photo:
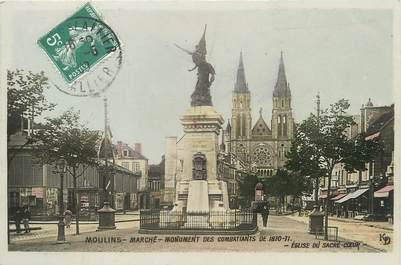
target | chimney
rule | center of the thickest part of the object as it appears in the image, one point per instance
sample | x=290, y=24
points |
x=138, y=148
x=119, y=148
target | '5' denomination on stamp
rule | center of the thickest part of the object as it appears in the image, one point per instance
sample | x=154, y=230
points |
x=78, y=44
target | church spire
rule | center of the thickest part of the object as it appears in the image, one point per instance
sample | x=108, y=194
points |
x=281, y=89
x=240, y=84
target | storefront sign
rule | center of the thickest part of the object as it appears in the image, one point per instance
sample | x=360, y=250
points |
x=37, y=192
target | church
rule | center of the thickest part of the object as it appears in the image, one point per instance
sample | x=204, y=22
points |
x=258, y=144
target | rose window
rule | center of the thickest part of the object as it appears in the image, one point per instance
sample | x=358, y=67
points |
x=241, y=152
x=262, y=156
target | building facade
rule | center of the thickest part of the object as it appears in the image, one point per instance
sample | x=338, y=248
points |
x=38, y=185
x=156, y=184
x=133, y=160
x=357, y=193
x=260, y=144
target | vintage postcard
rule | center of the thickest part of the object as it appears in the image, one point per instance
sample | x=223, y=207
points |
x=200, y=132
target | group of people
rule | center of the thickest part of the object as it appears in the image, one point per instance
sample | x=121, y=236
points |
x=24, y=215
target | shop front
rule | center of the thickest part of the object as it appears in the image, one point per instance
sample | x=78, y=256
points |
x=88, y=203
x=119, y=199
x=352, y=204
x=42, y=201
x=384, y=202
x=133, y=201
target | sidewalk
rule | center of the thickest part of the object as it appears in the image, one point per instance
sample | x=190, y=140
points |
x=48, y=229
x=366, y=232
x=381, y=225
x=119, y=217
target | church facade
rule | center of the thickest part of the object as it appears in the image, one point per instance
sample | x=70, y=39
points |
x=261, y=144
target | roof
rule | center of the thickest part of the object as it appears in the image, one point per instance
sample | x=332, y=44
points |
x=282, y=88
x=156, y=172
x=228, y=128
x=240, y=84
x=120, y=169
x=381, y=122
x=132, y=154
x=261, y=128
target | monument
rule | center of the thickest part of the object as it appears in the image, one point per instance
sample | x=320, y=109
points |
x=197, y=189
x=195, y=199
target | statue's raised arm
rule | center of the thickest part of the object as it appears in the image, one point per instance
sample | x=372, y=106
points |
x=201, y=95
x=183, y=49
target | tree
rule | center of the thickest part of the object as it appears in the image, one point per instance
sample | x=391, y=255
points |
x=322, y=142
x=25, y=100
x=303, y=156
x=246, y=185
x=285, y=183
x=64, y=137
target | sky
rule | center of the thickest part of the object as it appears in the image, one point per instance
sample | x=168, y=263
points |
x=340, y=53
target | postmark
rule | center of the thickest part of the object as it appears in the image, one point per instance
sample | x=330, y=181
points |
x=86, y=52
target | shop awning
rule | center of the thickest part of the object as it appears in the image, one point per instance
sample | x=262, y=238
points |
x=372, y=136
x=384, y=192
x=323, y=194
x=358, y=193
x=352, y=195
x=339, y=196
x=344, y=199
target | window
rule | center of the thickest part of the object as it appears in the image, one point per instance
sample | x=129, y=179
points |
x=136, y=167
x=125, y=164
x=125, y=152
x=182, y=165
x=262, y=155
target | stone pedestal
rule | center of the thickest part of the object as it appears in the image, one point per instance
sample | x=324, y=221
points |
x=316, y=221
x=202, y=125
x=106, y=217
x=198, y=197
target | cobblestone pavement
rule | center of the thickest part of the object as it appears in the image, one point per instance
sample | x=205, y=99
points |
x=283, y=234
x=367, y=232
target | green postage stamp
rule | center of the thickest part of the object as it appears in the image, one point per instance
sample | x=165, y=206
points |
x=79, y=43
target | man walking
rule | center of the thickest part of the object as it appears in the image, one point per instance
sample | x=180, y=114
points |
x=26, y=217
x=265, y=214
x=17, y=219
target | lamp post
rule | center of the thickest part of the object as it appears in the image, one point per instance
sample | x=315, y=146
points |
x=107, y=213
x=61, y=167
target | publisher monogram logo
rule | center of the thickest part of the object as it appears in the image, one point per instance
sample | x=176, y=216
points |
x=384, y=238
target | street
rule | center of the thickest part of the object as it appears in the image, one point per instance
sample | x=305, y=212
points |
x=283, y=234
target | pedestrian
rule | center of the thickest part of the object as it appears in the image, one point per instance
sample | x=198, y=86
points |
x=67, y=218
x=265, y=214
x=26, y=217
x=17, y=219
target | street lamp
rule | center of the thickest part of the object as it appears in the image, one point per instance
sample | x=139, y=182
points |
x=61, y=167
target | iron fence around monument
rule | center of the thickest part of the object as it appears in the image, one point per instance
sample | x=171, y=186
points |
x=232, y=220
